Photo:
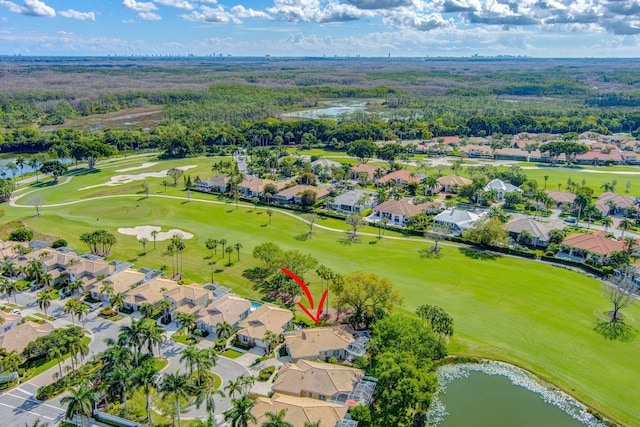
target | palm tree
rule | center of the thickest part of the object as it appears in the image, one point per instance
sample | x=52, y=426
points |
x=71, y=307
x=237, y=247
x=132, y=336
x=147, y=309
x=233, y=386
x=107, y=290
x=276, y=420
x=76, y=287
x=212, y=245
x=186, y=320
x=247, y=381
x=36, y=423
x=79, y=403
x=44, y=301
x=144, y=241
x=57, y=353
x=119, y=383
x=117, y=301
x=190, y=356
x=270, y=339
x=207, y=396
x=145, y=377
x=240, y=414
x=81, y=311
x=164, y=307
x=77, y=347
x=177, y=387
x=5, y=285
x=156, y=336
x=607, y=222
x=12, y=289
x=154, y=234
x=625, y=224
x=580, y=202
x=224, y=330
x=207, y=359
x=229, y=250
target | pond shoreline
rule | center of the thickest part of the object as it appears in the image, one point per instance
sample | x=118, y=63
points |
x=518, y=377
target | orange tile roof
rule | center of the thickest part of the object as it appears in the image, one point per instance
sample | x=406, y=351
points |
x=597, y=243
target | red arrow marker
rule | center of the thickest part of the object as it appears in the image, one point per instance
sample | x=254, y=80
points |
x=316, y=317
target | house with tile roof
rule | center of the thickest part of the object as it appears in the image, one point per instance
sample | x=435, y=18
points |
x=291, y=195
x=370, y=171
x=299, y=411
x=452, y=181
x=267, y=317
x=561, y=197
x=613, y=204
x=586, y=245
x=9, y=321
x=400, y=177
x=252, y=186
x=216, y=184
x=501, y=188
x=18, y=337
x=353, y=201
x=456, y=220
x=151, y=292
x=317, y=380
x=228, y=308
x=398, y=212
x=189, y=298
x=539, y=231
x=319, y=343
x=119, y=282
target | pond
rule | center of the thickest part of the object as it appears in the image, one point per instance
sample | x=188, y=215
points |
x=496, y=394
x=331, y=109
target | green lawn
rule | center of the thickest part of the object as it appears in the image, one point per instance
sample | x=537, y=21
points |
x=231, y=354
x=525, y=312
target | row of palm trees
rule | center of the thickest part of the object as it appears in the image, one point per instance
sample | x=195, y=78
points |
x=212, y=245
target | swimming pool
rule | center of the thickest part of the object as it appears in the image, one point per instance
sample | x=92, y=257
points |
x=255, y=305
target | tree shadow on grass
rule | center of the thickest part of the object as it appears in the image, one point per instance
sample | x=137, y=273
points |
x=302, y=237
x=348, y=240
x=476, y=253
x=616, y=331
x=431, y=252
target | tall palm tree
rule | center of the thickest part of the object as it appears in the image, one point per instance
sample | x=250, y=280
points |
x=132, y=336
x=76, y=287
x=224, y=329
x=77, y=347
x=36, y=423
x=186, y=321
x=119, y=383
x=144, y=377
x=147, y=310
x=212, y=245
x=164, y=307
x=207, y=359
x=207, y=395
x=177, y=387
x=229, y=251
x=625, y=224
x=607, y=222
x=57, y=353
x=237, y=247
x=223, y=243
x=156, y=336
x=247, y=381
x=71, y=308
x=189, y=356
x=276, y=420
x=240, y=414
x=79, y=403
x=117, y=301
x=233, y=386
x=154, y=234
x=5, y=285
x=44, y=301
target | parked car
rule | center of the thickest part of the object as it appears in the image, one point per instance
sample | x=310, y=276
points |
x=93, y=305
x=16, y=311
x=571, y=220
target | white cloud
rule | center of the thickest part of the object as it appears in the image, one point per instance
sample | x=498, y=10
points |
x=74, y=14
x=180, y=4
x=149, y=16
x=37, y=8
x=212, y=15
x=11, y=6
x=139, y=6
x=242, y=13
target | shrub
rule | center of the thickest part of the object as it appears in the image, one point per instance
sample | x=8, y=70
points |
x=60, y=243
x=21, y=235
x=266, y=373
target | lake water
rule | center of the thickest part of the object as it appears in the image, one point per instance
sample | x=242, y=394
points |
x=27, y=169
x=501, y=395
x=331, y=109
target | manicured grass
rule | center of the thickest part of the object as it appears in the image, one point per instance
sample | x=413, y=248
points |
x=160, y=363
x=41, y=315
x=231, y=354
x=525, y=312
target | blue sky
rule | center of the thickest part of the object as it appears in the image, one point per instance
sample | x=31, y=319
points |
x=539, y=28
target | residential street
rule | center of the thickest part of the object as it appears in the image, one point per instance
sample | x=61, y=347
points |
x=19, y=406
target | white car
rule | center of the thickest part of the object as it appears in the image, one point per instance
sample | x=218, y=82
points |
x=16, y=311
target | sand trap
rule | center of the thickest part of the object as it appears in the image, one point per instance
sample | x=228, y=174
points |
x=142, y=166
x=141, y=231
x=126, y=179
